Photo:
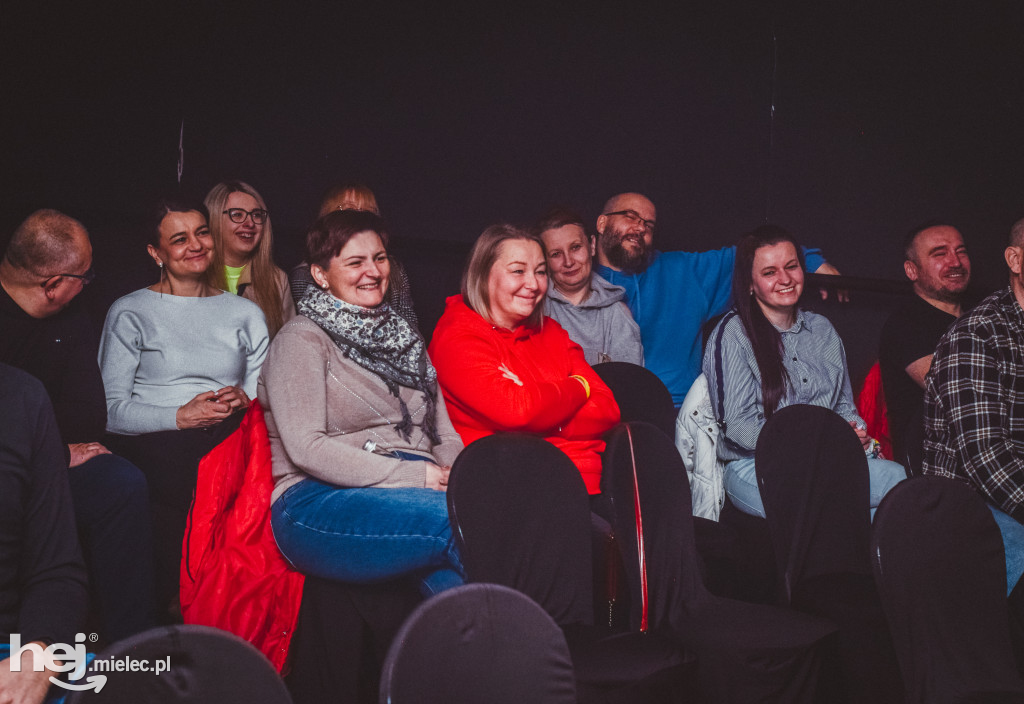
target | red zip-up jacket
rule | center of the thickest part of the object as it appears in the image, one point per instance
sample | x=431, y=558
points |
x=495, y=380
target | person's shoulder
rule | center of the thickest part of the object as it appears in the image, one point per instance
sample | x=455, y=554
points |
x=730, y=329
x=131, y=304
x=992, y=310
x=459, y=318
x=237, y=304
x=817, y=321
x=15, y=382
x=300, y=328
x=133, y=299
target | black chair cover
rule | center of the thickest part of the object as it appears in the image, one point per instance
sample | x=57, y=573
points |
x=207, y=665
x=521, y=516
x=813, y=478
x=641, y=395
x=746, y=652
x=478, y=643
x=514, y=502
x=940, y=569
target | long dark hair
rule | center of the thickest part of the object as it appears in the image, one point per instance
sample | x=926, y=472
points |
x=764, y=338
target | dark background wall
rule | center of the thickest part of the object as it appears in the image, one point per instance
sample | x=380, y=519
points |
x=459, y=115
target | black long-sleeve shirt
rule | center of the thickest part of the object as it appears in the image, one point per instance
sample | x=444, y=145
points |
x=42, y=578
x=61, y=352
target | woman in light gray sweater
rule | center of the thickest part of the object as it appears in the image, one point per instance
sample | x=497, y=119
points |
x=179, y=362
x=361, y=441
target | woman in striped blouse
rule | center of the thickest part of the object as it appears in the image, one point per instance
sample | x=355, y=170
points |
x=768, y=353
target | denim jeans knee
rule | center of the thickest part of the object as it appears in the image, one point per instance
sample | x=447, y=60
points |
x=367, y=535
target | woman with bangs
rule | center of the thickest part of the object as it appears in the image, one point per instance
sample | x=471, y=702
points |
x=243, y=263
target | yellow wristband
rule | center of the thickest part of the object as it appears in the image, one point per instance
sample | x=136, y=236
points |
x=582, y=380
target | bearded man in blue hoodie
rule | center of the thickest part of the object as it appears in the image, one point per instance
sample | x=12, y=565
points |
x=670, y=294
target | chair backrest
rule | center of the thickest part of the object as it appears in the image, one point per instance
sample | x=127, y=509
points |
x=644, y=476
x=521, y=517
x=939, y=566
x=813, y=478
x=641, y=395
x=203, y=665
x=478, y=643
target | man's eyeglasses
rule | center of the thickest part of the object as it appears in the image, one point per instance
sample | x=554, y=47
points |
x=634, y=217
x=87, y=277
x=238, y=215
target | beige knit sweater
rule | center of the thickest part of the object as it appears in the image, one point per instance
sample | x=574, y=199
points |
x=321, y=409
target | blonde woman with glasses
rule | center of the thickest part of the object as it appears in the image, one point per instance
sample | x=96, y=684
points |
x=243, y=251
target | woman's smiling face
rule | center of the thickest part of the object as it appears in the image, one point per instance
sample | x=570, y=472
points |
x=778, y=279
x=517, y=283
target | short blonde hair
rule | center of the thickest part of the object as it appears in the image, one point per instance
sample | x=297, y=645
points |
x=481, y=260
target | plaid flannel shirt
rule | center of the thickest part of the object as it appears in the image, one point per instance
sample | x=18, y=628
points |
x=974, y=403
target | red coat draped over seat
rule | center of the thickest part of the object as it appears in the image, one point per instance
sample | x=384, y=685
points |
x=233, y=576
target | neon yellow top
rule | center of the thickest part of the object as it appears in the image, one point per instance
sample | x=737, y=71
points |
x=233, y=274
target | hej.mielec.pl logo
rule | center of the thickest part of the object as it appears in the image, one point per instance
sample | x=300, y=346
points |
x=61, y=657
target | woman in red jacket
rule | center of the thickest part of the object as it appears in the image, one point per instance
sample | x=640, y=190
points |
x=503, y=366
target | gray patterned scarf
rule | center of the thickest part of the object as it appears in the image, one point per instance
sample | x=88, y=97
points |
x=381, y=342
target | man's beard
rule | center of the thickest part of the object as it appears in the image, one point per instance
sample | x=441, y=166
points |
x=947, y=295
x=631, y=262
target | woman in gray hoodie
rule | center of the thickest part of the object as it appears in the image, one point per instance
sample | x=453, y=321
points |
x=589, y=308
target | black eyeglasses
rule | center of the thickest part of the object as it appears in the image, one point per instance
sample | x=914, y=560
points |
x=87, y=277
x=238, y=215
x=634, y=217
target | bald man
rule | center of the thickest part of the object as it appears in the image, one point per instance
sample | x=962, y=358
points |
x=936, y=260
x=47, y=264
x=671, y=294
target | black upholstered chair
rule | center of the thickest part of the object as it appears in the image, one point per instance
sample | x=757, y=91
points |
x=478, y=643
x=207, y=666
x=813, y=478
x=939, y=565
x=641, y=395
x=521, y=516
x=745, y=652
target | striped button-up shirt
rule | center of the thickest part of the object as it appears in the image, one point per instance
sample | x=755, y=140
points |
x=814, y=358
x=974, y=403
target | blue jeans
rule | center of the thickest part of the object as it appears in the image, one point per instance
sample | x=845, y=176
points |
x=1013, y=546
x=367, y=535
x=741, y=483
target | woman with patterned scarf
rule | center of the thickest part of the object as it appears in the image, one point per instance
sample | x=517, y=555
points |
x=360, y=436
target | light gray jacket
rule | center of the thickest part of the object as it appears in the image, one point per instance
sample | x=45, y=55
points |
x=696, y=436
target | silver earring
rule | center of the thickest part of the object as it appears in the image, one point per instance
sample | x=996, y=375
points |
x=160, y=264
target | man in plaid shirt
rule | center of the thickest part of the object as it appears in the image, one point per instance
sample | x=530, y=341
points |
x=974, y=405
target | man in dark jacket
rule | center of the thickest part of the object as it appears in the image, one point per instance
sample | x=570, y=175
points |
x=47, y=264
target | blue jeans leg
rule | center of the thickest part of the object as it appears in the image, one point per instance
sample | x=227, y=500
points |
x=368, y=535
x=883, y=475
x=1013, y=546
x=741, y=486
x=741, y=483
